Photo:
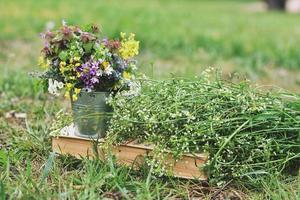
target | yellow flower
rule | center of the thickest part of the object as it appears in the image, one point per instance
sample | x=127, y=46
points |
x=126, y=75
x=43, y=63
x=77, y=90
x=67, y=68
x=131, y=36
x=75, y=94
x=62, y=64
x=69, y=86
x=62, y=69
x=105, y=65
x=74, y=97
x=76, y=58
x=122, y=34
x=129, y=46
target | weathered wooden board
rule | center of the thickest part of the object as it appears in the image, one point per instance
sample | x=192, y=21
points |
x=130, y=154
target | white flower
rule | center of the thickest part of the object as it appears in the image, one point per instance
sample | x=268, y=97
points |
x=99, y=72
x=60, y=85
x=53, y=86
x=134, y=89
x=108, y=70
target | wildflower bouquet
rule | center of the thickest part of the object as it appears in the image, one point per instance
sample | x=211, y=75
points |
x=76, y=58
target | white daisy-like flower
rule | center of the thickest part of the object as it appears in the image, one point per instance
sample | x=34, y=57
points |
x=108, y=70
x=60, y=85
x=99, y=72
x=53, y=86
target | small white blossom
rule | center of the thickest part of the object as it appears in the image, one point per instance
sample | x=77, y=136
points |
x=134, y=89
x=54, y=86
x=108, y=70
x=99, y=72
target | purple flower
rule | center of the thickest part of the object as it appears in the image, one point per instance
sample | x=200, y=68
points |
x=49, y=35
x=46, y=50
x=88, y=74
x=46, y=44
x=94, y=80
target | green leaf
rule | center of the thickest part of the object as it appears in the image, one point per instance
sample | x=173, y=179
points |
x=48, y=167
x=63, y=56
x=28, y=168
x=3, y=157
x=2, y=190
x=88, y=47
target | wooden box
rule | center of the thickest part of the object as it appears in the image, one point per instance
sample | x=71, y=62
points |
x=130, y=154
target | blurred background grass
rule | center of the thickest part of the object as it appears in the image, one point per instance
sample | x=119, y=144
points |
x=178, y=37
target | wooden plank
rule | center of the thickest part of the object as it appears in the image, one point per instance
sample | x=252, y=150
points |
x=130, y=154
x=71, y=146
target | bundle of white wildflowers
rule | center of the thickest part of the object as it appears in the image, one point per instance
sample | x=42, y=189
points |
x=246, y=133
x=76, y=58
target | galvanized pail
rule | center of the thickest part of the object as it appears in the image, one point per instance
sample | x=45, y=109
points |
x=91, y=114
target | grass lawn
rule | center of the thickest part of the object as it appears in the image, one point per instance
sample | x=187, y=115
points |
x=177, y=37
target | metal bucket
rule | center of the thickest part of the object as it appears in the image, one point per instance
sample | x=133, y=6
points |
x=91, y=114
